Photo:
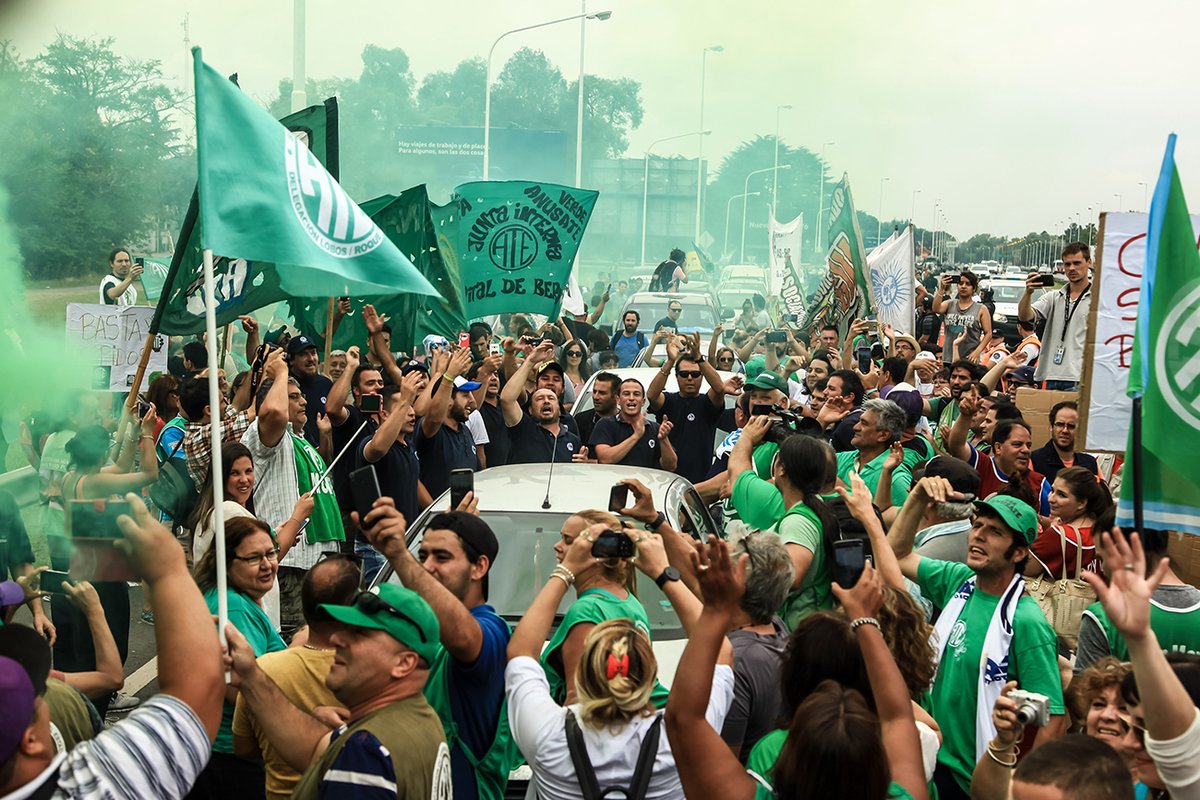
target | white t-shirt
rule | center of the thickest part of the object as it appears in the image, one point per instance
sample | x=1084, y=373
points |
x=477, y=428
x=539, y=729
x=1178, y=760
x=126, y=298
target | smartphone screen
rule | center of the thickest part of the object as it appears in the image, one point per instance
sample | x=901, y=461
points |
x=141, y=262
x=849, y=557
x=93, y=534
x=364, y=485
x=461, y=482
x=777, y=337
x=52, y=581
x=618, y=498
x=612, y=544
x=761, y=410
x=864, y=360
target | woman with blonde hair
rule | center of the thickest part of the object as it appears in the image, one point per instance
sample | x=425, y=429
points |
x=611, y=737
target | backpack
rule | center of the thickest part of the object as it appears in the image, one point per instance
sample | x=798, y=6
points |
x=174, y=493
x=588, y=784
x=661, y=281
x=641, y=340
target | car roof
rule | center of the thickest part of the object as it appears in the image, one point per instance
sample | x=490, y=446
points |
x=522, y=487
x=668, y=296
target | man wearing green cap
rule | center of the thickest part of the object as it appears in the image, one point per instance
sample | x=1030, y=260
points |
x=393, y=744
x=989, y=632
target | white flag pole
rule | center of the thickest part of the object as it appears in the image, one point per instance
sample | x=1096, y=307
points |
x=215, y=420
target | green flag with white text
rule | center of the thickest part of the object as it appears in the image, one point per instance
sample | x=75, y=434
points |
x=844, y=293
x=513, y=243
x=264, y=196
x=242, y=285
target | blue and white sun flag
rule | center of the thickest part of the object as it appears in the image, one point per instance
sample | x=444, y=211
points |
x=891, y=271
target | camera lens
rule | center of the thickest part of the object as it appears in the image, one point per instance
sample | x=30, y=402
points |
x=1026, y=714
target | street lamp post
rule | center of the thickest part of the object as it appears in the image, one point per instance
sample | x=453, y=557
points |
x=487, y=93
x=646, y=178
x=728, y=207
x=746, y=190
x=1145, y=202
x=879, y=218
x=821, y=195
x=912, y=212
x=716, y=48
x=299, y=76
x=775, y=173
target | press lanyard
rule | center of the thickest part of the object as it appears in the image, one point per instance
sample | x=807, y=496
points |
x=1069, y=310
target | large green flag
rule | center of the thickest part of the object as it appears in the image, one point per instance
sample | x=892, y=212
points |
x=1165, y=365
x=242, y=285
x=513, y=243
x=407, y=222
x=844, y=293
x=265, y=197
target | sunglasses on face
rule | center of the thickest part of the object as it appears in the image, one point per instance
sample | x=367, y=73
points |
x=575, y=354
x=689, y=373
x=1128, y=724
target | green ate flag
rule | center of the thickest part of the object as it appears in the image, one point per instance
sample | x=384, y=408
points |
x=264, y=196
x=513, y=243
x=844, y=293
x=406, y=220
x=242, y=286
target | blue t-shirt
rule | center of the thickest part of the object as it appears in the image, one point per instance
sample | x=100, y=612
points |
x=476, y=692
x=627, y=347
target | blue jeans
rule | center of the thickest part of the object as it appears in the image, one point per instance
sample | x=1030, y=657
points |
x=1062, y=386
x=373, y=561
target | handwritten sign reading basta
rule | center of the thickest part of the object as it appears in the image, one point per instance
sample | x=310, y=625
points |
x=114, y=336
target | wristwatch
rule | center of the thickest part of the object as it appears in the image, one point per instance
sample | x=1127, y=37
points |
x=657, y=522
x=668, y=574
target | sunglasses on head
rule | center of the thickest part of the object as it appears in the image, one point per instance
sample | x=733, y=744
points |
x=371, y=603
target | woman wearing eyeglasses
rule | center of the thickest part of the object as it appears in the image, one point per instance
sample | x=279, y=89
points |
x=575, y=364
x=251, y=561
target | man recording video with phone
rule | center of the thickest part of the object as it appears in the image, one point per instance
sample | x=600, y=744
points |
x=1065, y=314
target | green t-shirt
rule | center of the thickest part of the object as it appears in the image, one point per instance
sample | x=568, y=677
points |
x=595, y=606
x=945, y=411
x=914, y=457
x=761, y=506
x=763, y=458
x=1177, y=629
x=901, y=477
x=762, y=763
x=253, y=623
x=1032, y=661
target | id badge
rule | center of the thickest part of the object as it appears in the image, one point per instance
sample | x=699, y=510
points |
x=1058, y=355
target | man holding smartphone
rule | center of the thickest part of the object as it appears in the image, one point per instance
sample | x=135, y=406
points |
x=1065, y=314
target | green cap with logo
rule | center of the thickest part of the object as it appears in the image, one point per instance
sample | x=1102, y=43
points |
x=1017, y=514
x=401, y=613
x=769, y=380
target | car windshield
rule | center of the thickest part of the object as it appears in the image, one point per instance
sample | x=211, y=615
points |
x=1012, y=294
x=526, y=559
x=695, y=316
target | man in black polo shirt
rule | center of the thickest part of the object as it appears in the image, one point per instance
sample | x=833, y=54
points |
x=303, y=366
x=499, y=447
x=396, y=465
x=347, y=419
x=604, y=404
x=443, y=441
x=671, y=320
x=694, y=414
x=550, y=375
x=629, y=438
x=1059, y=453
x=538, y=435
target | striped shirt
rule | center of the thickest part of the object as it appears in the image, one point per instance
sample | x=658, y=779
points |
x=276, y=492
x=157, y=751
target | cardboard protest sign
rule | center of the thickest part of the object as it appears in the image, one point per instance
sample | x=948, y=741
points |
x=113, y=337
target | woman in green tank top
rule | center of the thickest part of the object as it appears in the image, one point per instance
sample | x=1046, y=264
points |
x=601, y=594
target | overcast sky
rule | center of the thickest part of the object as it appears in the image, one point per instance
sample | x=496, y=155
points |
x=1015, y=114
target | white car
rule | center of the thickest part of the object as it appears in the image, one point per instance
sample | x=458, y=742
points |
x=1006, y=294
x=699, y=311
x=735, y=271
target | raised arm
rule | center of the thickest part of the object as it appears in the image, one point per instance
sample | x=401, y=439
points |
x=110, y=481
x=668, y=459
x=859, y=503
x=531, y=633
x=510, y=395
x=1025, y=310
x=714, y=343
x=273, y=411
x=335, y=404
x=960, y=432
x=488, y=367
x=189, y=655
x=654, y=392
x=375, y=344
x=1168, y=709
x=904, y=530
x=747, y=350
x=901, y=741
x=941, y=305
x=707, y=767
x=443, y=391
x=250, y=326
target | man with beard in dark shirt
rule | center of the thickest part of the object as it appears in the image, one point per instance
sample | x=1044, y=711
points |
x=499, y=447
x=356, y=382
x=693, y=414
x=443, y=441
x=538, y=435
x=604, y=403
x=303, y=366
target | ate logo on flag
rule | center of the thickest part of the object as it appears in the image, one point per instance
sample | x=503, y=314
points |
x=1177, y=360
x=331, y=219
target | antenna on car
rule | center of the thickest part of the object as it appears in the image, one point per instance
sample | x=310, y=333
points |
x=553, y=458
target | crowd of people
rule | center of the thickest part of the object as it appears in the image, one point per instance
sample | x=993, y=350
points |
x=910, y=597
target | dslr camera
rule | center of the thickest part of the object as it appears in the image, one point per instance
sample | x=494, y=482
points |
x=1032, y=708
x=781, y=428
